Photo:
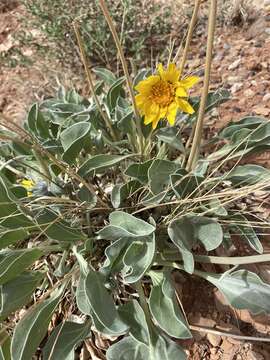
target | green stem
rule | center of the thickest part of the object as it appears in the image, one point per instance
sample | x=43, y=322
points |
x=195, y=148
x=144, y=305
x=51, y=248
x=235, y=260
x=174, y=257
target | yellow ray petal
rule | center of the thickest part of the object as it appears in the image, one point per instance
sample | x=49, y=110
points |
x=181, y=92
x=145, y=86
x=185, y=106
x=163, y=112
x=171, y=74
x=140, y=100
x=160, y=70
x=172, y=111
x=155, y=122
x=189, y=81
x=152, y=113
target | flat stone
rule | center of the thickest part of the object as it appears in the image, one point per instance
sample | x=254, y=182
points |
x=236, y=87
x=214, y=340
x=234, y=65
x=249, y=93
x=266, y=97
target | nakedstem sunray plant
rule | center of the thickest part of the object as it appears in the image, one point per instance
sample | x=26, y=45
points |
x=163, y=94
x=94, y=249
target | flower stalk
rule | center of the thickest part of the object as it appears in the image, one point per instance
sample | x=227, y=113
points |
x=189, y=37
x=195, y=148
x=91, y=83
x=108, y=18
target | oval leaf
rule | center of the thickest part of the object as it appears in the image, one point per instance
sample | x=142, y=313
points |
x=100, y=162
x=32, y=328
x=14, y=262
x=72, y=140
x=64, y=339
x=165, y=310
x=243, y=290
x=124, y=225
x=17, y=292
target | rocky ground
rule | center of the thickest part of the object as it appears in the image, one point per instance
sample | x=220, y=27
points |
x=241, y=64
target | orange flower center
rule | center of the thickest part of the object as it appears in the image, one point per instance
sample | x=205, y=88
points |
x=162, y=93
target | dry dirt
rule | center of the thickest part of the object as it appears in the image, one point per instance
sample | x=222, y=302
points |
x=241, y=64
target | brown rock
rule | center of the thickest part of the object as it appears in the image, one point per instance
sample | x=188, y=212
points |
x=249, y=93
x=261, y=110
x=234, y=65
x=214, y=340
x=266, y=97
x=229, y=350
x=236, y=87
x=252, y=355
x=256, y=29
x=253, y=65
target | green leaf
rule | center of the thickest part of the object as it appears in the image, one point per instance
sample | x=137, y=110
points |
x=121, y=192
x=166, y=349
x=133, y=315
x=31, y=118
x=127, y=349
x=161, y=349
x=64, y=339
x=187, y=231
x=247, y=175
x=139, y=171
x=93, y=299
x=171, y=136
x=81, y=298
x=106, y=75
x=37, y=123
x=249, y=122
x=114, y=257
x=9, y=237
x=72, y=140
x=213, y=100
x=245, y=141
x=86, y=196
x=159, y=174
x=100, y=163
x=244, y=229
x=32, y=328
x=11, y=215
x=102, y=303
x=56, y=228
x=125, y=123
x=114, y=92
x=165, y=310
x=17, y=292
x=243, y=290
x=142, y=74
x=185, y=184
x=14, y=262
x=5, y=345
x=138, y=258
x=124, y=225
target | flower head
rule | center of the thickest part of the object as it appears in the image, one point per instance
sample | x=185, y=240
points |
x=28, y=185
x=161, y=95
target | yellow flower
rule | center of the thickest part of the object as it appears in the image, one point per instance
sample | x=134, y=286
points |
x=161, y=95
x=28, y=185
